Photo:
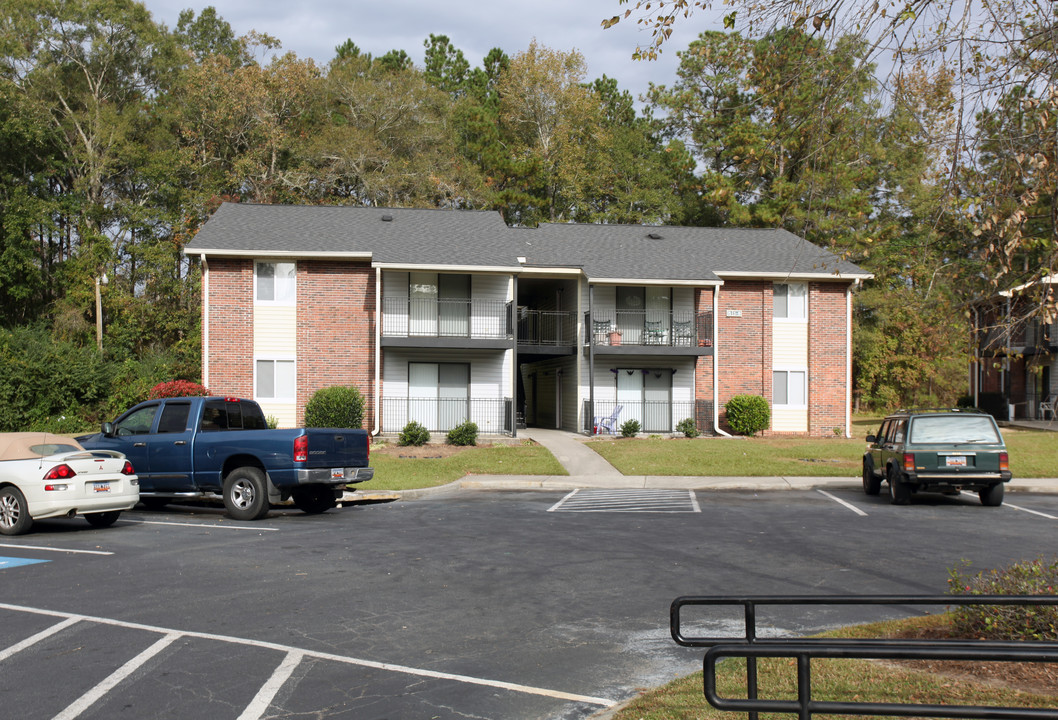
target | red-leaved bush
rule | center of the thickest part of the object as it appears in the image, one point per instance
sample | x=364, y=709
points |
x=177, y=388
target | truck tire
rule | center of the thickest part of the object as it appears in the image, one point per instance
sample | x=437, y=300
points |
x=14, y=515
x=991, y=496
x=899, y=492
x=246, y=494
x=872, y=484
x=314, y=499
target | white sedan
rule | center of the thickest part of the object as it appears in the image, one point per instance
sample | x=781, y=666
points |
x=44, y=476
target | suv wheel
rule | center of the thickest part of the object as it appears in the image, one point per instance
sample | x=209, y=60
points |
x=991, y=496
x=899, y=492
x=872, y=484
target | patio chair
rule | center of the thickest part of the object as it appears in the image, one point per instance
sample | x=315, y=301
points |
x=682, y=333
x=1049, y=406
x=600, y=330
x=653, y=333
x=606, y=424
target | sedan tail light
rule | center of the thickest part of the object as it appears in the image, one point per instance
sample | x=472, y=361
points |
x=60, y=472
x=1004, y=461
x=128, y=469
x=301, y=448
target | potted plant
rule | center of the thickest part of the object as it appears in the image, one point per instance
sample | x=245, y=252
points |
x=615, y=337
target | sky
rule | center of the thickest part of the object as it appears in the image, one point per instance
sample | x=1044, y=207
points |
x=313, y=28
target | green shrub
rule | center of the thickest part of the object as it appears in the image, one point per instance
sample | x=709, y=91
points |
x=413, y=434
x=748, y=414
x=630, y=428
x=273, y=422
x=340, y=406
x=465, y=433
x=688, y=427
x=1007, y=622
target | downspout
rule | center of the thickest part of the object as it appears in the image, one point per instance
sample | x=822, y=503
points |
x=515, y=371
x=205, y=320
x=848, y=359
x=378, y=351
x=975, y=362
x=589, y=331
x=716, y=363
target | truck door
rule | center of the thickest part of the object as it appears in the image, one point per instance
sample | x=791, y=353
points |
x=170, y=448
x=130, y=437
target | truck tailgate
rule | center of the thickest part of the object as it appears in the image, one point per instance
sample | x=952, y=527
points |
x=337, y=447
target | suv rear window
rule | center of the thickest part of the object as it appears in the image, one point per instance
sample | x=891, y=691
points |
x=953, y=429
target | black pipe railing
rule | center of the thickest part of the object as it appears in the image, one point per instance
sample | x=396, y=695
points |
x=804, y=650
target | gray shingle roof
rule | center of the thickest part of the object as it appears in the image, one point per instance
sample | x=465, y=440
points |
x=462, y=238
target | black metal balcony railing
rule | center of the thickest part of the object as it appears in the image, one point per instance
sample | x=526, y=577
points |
x=650, y=327
x=653, y=417
x=491, y=415
x=444, y=317
x=547, y=327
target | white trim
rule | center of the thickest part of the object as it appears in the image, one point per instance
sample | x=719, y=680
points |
x=205, y=321
x=435, y=268
x=274, y=359
x=279, y=254
x=780, y=276
x=292, y=301
x=848, y=362
x=378, y=352
x=639, y=282
x=716, y=363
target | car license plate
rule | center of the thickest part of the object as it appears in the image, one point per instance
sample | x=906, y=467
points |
x=955, y=461
x=101, y=487
x=337, y=473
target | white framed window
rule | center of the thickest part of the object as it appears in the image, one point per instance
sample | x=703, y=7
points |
x=275, y=283
x=790, y=301
x=274, y=379
x=789, y=388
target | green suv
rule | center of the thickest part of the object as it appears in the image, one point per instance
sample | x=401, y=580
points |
x=944, y=450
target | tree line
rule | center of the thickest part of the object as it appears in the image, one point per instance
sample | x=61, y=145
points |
x=121, y=136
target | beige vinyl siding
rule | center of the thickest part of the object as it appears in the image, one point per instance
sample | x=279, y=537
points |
x=790, y=344
x=285, y=413
x=274, y=330
x=789, y=419
x=394, y=285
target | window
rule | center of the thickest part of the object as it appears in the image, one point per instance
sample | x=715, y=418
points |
x=274, y=380
x=791, y=301
x=788, y=388
x=231, y=415
x=174, y=417
x=275, y=283
x=137, y=422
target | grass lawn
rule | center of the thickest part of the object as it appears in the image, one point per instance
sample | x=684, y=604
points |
x=1033, y=454
x=433, y=465
x=847, y=680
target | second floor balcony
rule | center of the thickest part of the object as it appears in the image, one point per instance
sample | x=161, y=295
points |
x=638, y=330
x=412, y=321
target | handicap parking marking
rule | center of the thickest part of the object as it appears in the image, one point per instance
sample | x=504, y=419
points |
x=838, y=500
x=10, y=562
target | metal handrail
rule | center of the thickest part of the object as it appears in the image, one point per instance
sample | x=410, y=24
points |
x=804, y=650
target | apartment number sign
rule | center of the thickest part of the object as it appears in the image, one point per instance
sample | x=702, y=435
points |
x=734, y=313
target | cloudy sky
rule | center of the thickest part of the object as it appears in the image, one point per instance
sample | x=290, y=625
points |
x=313, y=28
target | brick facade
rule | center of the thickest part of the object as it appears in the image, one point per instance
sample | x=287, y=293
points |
x=336, y=330
x=227, y=327
x=828, y=358
x=744, y=342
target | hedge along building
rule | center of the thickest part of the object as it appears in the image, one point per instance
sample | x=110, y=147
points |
x=440, y=316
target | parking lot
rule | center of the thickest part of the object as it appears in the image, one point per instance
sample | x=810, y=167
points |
x=459, y=604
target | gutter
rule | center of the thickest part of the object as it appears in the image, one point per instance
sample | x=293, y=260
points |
x=716, y=363
x=378, y=351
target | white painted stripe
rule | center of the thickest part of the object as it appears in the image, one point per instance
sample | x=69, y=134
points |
x=850, y=506
x=1034, y=512
x=404, y=669
x=694, y=501
x=204, y=525
x=559, y=504
x=51, y=549
x=94, y=695
x=34, y=639
x=259, y=705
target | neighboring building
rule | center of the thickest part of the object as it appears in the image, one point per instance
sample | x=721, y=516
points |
x=1015, y=353
x=443, y=315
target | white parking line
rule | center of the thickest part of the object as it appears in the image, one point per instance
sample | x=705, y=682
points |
x=93, y=696
x=1034, y=512
x=34, y=639
x=850, y=506
x=359, y=662
x=259, y=705
x=204, y=525
x=51, y=549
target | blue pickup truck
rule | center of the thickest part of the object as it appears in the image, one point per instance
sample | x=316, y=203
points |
x=197, y=447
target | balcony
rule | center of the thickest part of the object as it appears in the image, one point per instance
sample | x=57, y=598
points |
x=491, y=415
x=547, y=328
x=446, y=322
x=651, y=331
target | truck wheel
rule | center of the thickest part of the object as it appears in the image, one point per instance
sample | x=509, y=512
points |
x=872, y=485
x=245, y=494
x=14, y=515
x=103, y=519
x=314, y=499
x=991, y=496
x=899, y=492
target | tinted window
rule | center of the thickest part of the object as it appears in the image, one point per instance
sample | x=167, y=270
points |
x=174, y=418
x=214, y=416
x=954, y=429
x=223, y=415
x=52, y=449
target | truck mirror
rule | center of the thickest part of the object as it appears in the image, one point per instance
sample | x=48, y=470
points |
x=108, y=429
x=871, y=438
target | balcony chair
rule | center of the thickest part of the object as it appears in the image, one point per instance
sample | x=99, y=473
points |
x=683, y=333
x=1049, y=406
x=606, y=424
x=600, y=331
x=653, y=333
